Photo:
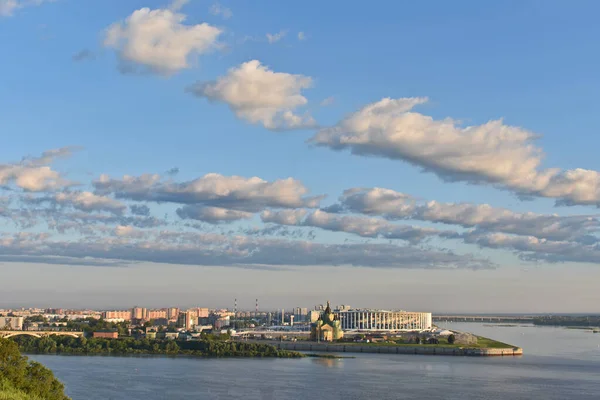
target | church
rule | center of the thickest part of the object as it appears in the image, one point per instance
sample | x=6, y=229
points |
x=327, y=328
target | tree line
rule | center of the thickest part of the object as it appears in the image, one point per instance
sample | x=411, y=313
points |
x=125, y=346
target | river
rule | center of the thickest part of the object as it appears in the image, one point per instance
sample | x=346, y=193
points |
x=559, y=364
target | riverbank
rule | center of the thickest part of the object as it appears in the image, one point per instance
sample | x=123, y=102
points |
x=65, y=345
x=440, y=350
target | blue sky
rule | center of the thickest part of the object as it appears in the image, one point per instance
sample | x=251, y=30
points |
x=277, y=90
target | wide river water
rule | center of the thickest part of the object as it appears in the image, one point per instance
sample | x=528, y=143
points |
x=559, y=363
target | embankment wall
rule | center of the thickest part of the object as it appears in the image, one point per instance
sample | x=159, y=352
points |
x=423, y=350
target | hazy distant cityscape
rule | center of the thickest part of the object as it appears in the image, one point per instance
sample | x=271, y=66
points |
x=199, y=319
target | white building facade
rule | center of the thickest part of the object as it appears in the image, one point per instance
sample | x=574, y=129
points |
x=381, y=320
x=11, y=323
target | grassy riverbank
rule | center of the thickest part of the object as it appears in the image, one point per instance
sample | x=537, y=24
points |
x=482, y=343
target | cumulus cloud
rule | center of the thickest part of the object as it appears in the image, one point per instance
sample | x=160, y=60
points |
x=370, y=227
x=276, y=37
x=87, y=201
x=491, y=153
x=218, y=9
x=128, y=231
x=259, y=95
x=34, y=174
x=530, y=248
x=357, y=225
x=394, y=205
x=212, y=215
x=159, y=41
x=212, y=190
x=284, y=217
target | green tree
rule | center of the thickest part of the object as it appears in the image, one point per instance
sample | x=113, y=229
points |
x=451, y=339
x=30, y=377
x=172, y=348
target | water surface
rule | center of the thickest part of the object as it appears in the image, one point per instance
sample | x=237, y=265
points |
x=559, y=364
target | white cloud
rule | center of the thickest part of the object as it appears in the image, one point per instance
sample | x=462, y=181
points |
x=301, y=36
x=212, y=190
x=530, y=248
x=33, y=174
x=284, y=217
x=259, y=95
x=86, y=201
x=327, y=101
x=128, y=231
x=8, y=7
x=494, y=153
x=212, y=215
x=219, y=250
x=217, y=9
x=177, y=5
x=159, y=41
x=357, y=225
x=276, y=37
x=369, y=227
x=394, y=205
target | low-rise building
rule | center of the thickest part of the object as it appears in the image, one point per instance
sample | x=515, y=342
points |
x=124, y=315
x=106, y=334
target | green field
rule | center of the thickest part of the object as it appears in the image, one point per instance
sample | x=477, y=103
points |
x=482, y=343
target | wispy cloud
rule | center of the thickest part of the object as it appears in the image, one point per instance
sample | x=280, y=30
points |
x=276, y=37
x=328, y=101
x=177, y=5
x=218, y=9
x=8, y=7
x=83, y=55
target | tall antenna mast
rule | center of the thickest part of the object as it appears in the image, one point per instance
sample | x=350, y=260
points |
x=234, y=307
x=256, y=309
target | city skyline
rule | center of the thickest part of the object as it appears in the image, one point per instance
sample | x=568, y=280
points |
x=192, y=153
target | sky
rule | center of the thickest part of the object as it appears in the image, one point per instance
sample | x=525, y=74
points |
x=424, y=156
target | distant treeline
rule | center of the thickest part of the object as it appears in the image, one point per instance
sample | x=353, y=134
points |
x=566, y=320
x=124, y=346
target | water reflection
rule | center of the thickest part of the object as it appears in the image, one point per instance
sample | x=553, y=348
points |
x=328, y=362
